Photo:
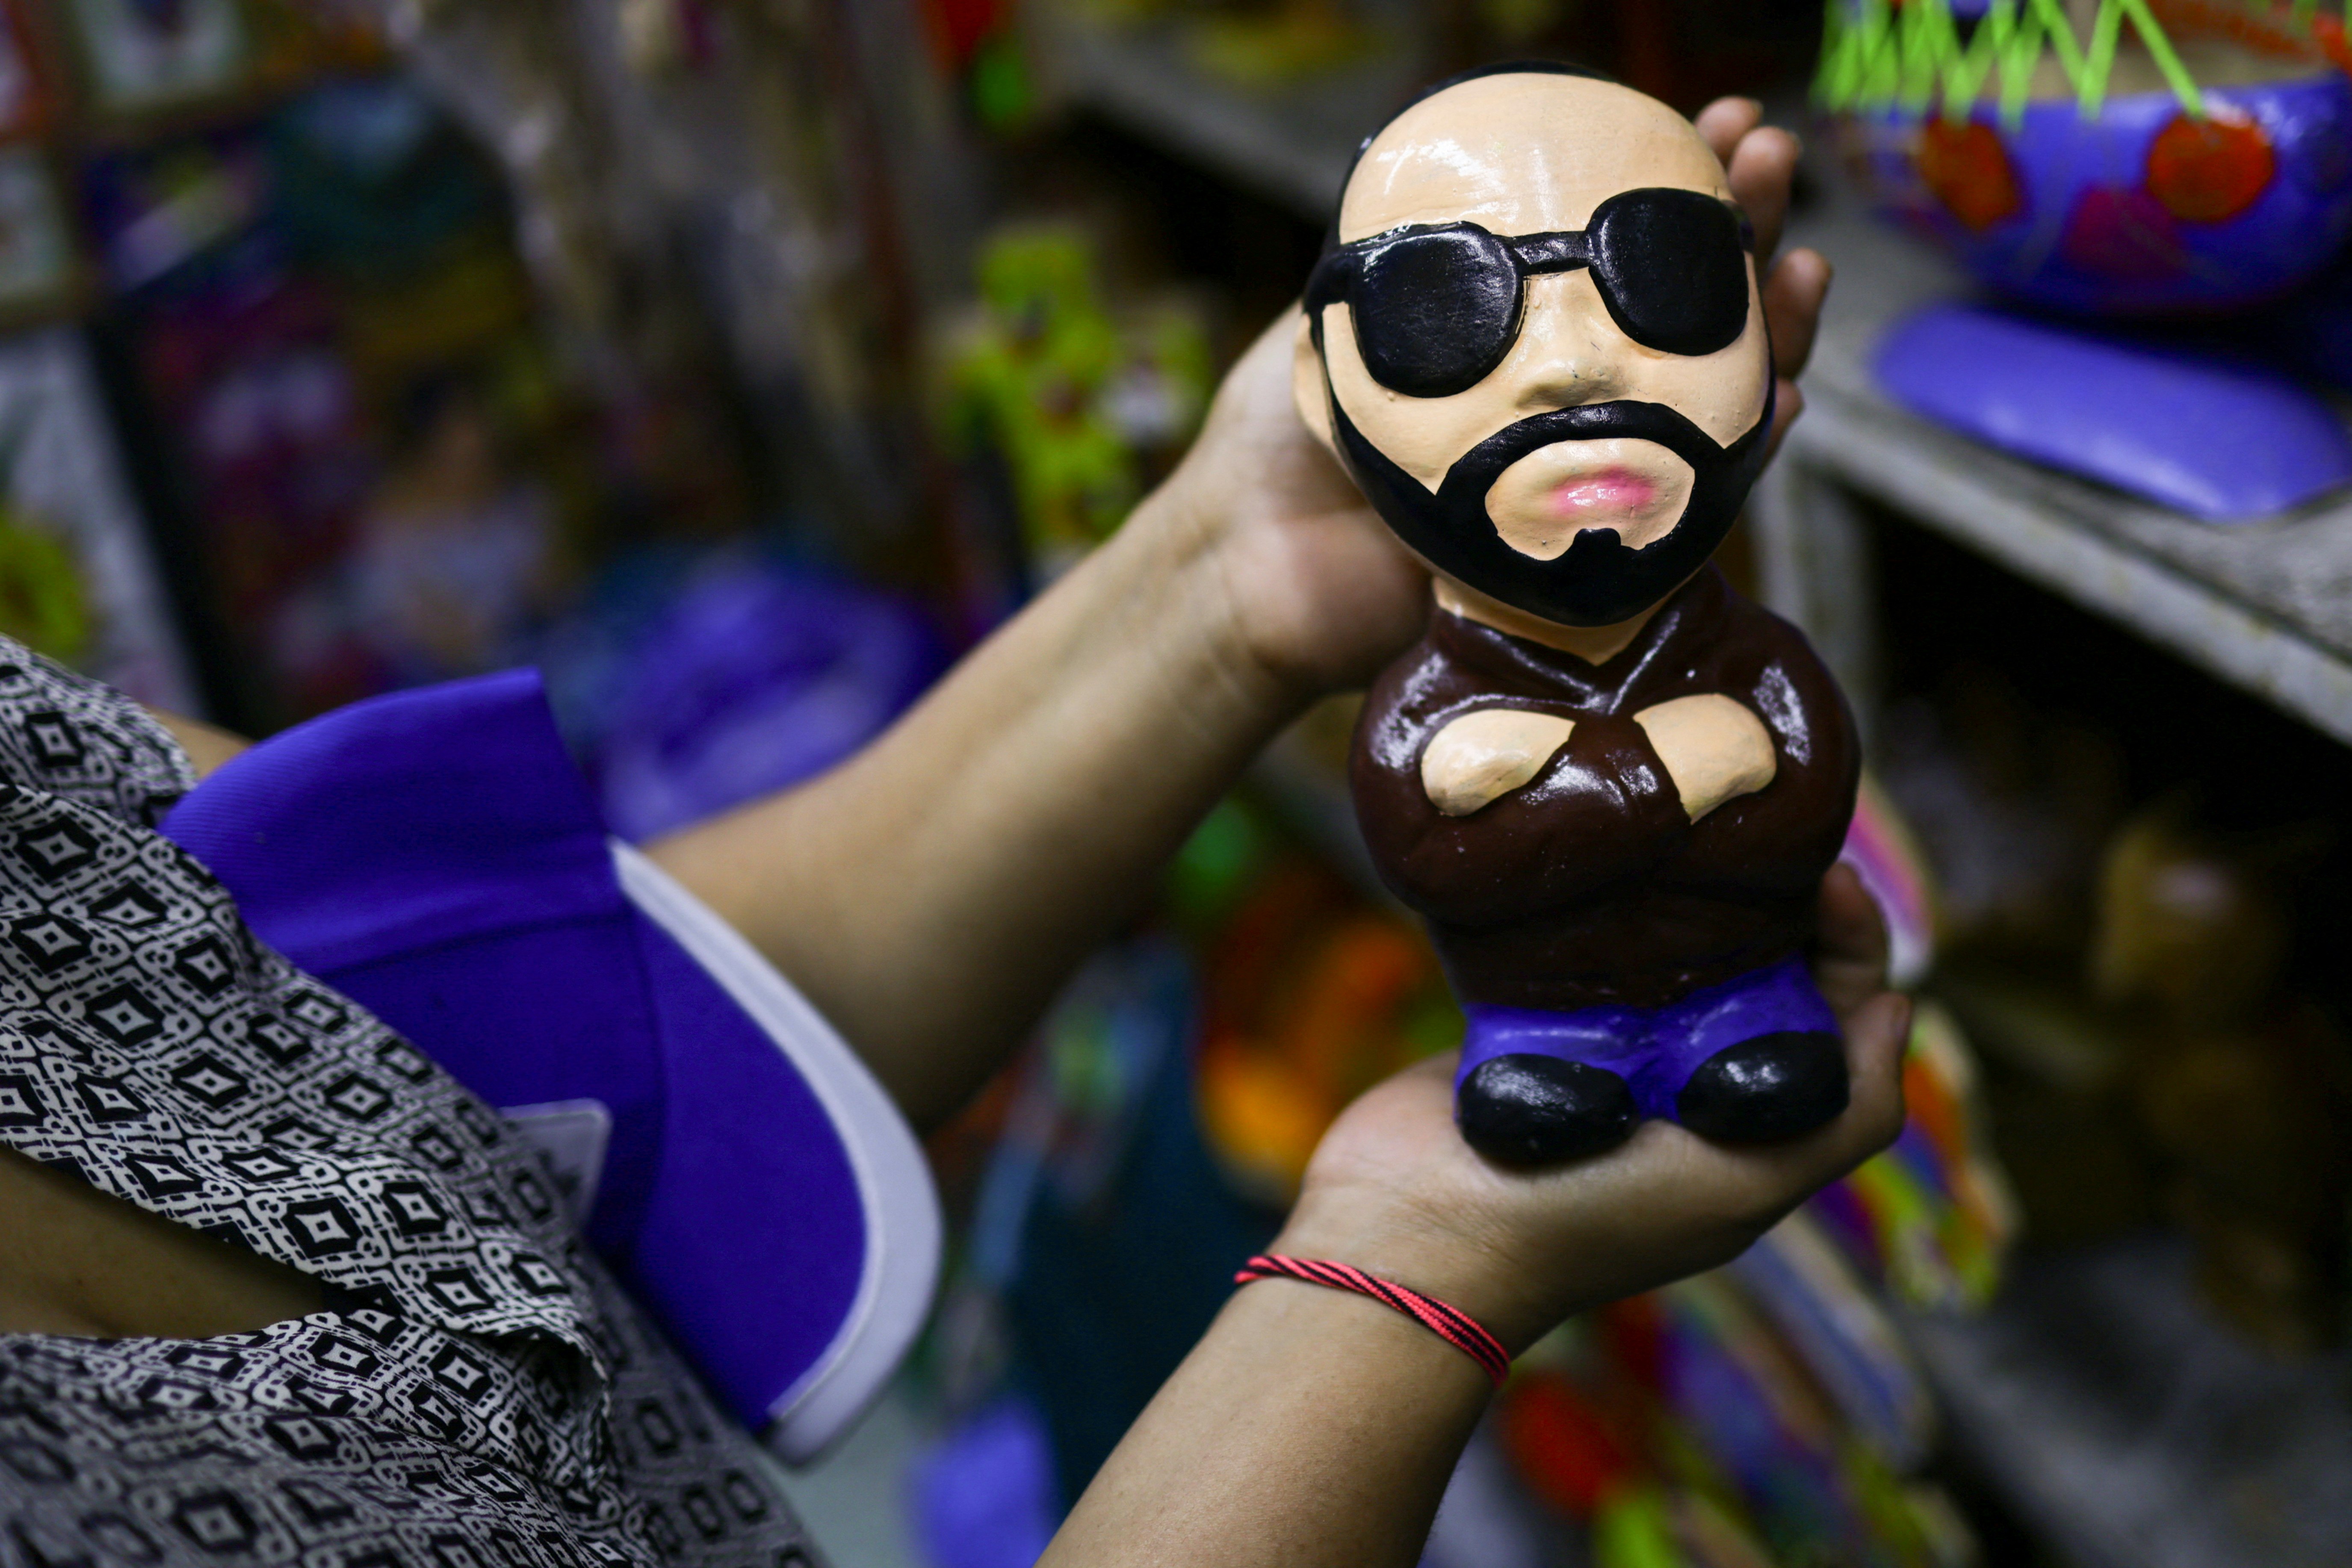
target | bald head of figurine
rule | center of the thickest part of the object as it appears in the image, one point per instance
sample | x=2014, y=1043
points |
x=1536, y=344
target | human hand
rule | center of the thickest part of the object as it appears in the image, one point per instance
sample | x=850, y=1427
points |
x=1761, y=162
x=1320, y=593
x=1393, y=1190
x=1714, y=747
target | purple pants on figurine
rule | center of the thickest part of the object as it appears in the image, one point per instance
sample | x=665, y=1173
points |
x=1755, y=1058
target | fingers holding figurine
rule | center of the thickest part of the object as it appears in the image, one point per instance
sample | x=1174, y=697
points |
x=1394, y=1190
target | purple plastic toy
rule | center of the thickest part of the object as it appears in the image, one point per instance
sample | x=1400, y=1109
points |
x=2136, y=209
x=2218, y=439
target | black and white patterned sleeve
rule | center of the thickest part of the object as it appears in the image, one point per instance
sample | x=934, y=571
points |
x=80, y=739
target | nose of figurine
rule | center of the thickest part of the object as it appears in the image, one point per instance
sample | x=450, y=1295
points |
x=1569, y=352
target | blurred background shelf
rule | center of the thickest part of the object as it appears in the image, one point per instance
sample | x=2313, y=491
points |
x=2266, y=606
x=2135, y=1432
x=2099, y=1397
x=1291, y=145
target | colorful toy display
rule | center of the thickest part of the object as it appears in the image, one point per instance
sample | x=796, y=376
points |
x=2110, y=159
x=1609, y=784
x=1309, y=997
x=2023, y=147
x=328, y=318
x=1681, y=1432
x=39, y=268
x=1065, y=404
x=78, y=579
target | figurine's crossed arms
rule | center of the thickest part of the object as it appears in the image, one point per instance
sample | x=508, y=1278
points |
x=1713, y=748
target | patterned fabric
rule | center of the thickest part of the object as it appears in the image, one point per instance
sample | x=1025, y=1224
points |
x=481, y=1394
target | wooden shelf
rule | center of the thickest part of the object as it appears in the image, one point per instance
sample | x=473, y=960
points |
x=2266, y=605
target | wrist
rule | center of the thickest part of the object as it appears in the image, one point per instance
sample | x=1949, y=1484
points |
x=1324, y=1333
x=1424, y=1258
x=1314, y=594
x=1200, y=561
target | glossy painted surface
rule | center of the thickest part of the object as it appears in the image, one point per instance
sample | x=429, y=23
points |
x=1656, y=1052
x=1714, y=746
x=1569, y=538
x=1592, y=884
x=1487, y=753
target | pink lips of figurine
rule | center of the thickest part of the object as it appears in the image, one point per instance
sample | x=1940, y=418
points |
x=1594, y=498
x=1633, y=487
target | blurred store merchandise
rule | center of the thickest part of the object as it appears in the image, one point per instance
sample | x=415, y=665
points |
x=1310, y=995
x=689, y=683
x=2167, y=172
x=142, y=60
x=77, y=580
x=2122, y=1420
x=1061, y=408
x=40, y=267
x=1681, y=1429
x=2242, y=1088
x=1273, y=97
x=1686, y=52
x=775, y=189
x=1886, y=855
x=27, y=95
x=318, y=311
x=2142, y=937
x=406, y=317
x=2128, y=975
x=984, y=1495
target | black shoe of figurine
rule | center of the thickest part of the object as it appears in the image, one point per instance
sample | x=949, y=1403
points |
x=1772, y=1087
x=1530, y=1110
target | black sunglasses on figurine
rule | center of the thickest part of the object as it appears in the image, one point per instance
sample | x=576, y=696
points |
x=1437, y=306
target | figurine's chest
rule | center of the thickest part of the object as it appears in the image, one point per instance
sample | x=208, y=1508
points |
x=1433, y=686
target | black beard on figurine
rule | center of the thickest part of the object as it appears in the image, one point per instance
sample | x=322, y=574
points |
x=1598, y=581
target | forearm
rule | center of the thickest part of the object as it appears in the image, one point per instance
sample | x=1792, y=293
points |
x=1308, y=1427
x=932, y=894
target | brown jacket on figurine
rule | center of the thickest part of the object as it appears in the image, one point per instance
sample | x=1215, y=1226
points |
x=1610, y=784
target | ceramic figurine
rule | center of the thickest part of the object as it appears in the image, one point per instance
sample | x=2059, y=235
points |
x=1610, y=784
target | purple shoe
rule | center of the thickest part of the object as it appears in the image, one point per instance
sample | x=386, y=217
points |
x=434, y=855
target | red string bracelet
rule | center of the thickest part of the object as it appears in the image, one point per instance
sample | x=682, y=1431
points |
x=1456, y=1328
